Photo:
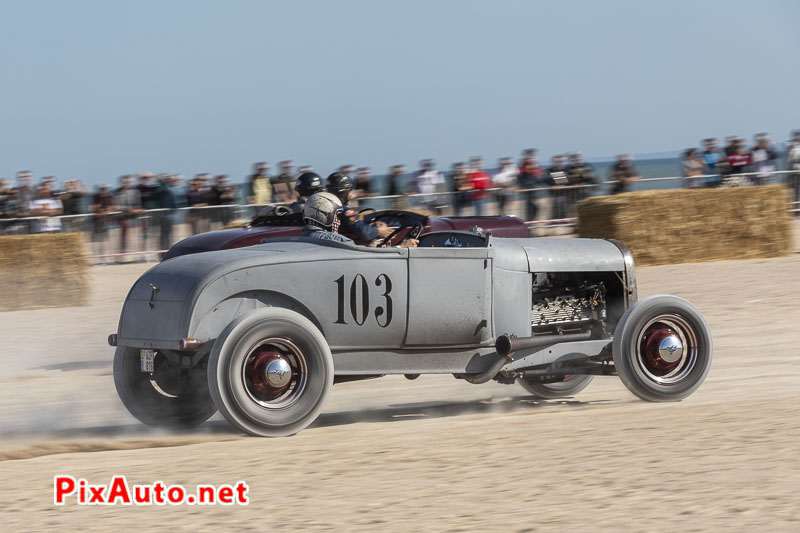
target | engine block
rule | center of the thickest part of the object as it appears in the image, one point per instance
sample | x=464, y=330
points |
x=570, y=308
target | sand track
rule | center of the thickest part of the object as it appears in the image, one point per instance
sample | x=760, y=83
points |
x=435, y=454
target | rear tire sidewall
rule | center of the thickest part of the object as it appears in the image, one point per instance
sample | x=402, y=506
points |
x=228, y=357
x=625, y=355
x=151, y=407
x=558, y=389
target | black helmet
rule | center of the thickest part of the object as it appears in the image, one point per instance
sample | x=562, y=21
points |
x=339, y=184
x=308, y=183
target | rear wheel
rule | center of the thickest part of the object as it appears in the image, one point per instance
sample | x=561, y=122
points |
x=569, y=386
x=167, y=397
x=270, y=372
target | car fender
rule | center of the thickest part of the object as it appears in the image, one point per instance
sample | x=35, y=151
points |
x=207, y=323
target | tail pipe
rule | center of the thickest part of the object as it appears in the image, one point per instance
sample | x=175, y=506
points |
x=506, y=345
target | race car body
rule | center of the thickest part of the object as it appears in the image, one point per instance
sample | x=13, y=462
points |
x=261, y=333
x=290, y=225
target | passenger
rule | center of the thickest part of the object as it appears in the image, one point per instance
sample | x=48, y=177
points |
x=307, y=183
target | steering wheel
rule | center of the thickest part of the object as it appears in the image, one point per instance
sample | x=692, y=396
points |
x=412, y=234
x=365, y=210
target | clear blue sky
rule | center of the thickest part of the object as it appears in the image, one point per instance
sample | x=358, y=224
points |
x=98, y=89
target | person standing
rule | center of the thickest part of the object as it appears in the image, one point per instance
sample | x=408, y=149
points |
x=558, y=181
x=348, y=170
x=396, y=174
x=504, y=181
x=580, y=174
x=283, y=184
x=197, y=198
x=793, y=163
x=362, y=189
x=129, y=202
x=166, y=202
x=711, y=159
x=101, y=208
x=730, y=144
x=25, y=190
x=427, y=182
x=72, y=198
x=13, y=208
x=148, y=191
x=47, y=207
x=623, y=173
x=461, y=188
x=763, y=158
x=148, y=194
x=260, y=185
x=692, y=166
x=481, y=182
x=4, y=193
x=177, y=188
x=396, y=186
x=223, y=195
x=739, y=158
x=529, y=178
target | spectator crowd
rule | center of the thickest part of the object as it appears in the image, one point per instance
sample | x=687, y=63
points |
x=28, y=206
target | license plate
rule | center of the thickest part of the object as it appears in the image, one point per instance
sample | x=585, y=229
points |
x=146, y=358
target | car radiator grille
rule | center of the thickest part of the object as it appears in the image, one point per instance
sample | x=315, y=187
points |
x=560, y=310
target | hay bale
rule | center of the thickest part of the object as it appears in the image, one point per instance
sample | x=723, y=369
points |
x=47, y=270
x=687, y=225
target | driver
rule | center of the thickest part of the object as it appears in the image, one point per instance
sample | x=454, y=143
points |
x=307, y=184
x=341, y=185
x=321, y=215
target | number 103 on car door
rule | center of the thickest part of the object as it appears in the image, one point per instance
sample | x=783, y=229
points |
x=354, y=299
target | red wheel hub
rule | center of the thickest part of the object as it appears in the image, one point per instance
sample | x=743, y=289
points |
x=257, y=373
x=657, y=348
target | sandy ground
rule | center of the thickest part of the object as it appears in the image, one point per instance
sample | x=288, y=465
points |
x=434, y=454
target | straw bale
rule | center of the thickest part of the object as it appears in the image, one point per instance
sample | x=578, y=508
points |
x=47, y=270
x=689, y=225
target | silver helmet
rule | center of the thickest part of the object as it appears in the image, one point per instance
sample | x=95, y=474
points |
x=322, y=209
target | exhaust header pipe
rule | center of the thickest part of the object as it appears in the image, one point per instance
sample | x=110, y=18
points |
x=507, y=345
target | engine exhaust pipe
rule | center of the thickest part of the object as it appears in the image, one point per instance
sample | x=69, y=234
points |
x=507, y=345
x=486, y=375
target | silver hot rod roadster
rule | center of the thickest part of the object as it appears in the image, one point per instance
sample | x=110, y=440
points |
x=262, y=333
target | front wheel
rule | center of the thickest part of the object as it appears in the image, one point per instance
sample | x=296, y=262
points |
x=569, y=386
x=167, y=397
x=270, y=372
x=662, y=348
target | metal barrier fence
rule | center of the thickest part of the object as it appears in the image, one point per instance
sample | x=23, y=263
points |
x=550, y=206
x=143, y=235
